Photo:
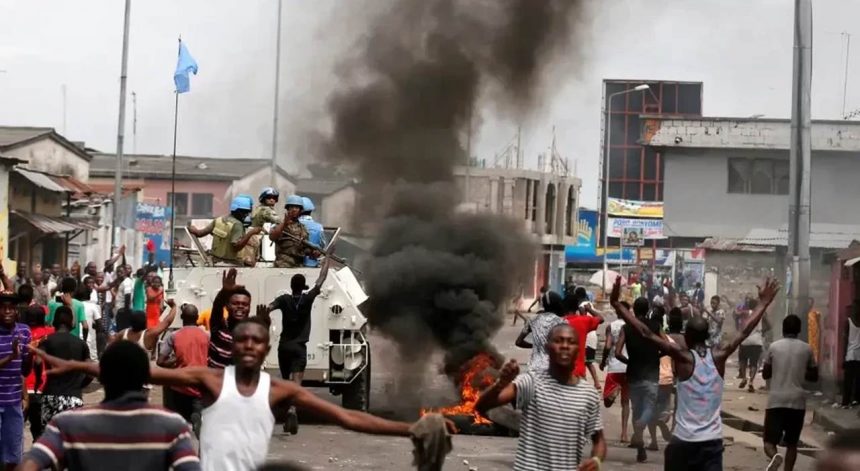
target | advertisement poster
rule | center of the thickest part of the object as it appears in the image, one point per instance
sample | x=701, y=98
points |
x=632, y=237
x=649, y=229
x=585, y=232
x=154, y=222
x=638, y=209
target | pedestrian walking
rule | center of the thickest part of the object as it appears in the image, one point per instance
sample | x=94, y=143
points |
x=750, y=349
x=295, y=310
x=539, y=327
x=187, y=347
x=122, y=432
x=716, y=317
x=615, y=382
x=697, y=442
x=788, y=363
x=851, y=367
x=63, y=391
x=36, y=379
x=14, y=363
x=585, y=320
x=561, y=412
x=643, y=370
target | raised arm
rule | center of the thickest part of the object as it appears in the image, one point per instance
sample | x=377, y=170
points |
x=278, y=230
x=348, y=419
x=324, y=266
x=607, y=347
x=521, y=339
x=765, y=297
x=228, y=285
x=151, y=335
x=663, y=344
x=619, y=348
x=502, y=392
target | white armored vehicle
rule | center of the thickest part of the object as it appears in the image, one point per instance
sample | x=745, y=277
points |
x=338, y=351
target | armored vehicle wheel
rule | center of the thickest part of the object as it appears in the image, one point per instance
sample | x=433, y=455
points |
x=356, y=395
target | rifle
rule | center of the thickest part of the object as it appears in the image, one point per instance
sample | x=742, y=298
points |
x=319, y=249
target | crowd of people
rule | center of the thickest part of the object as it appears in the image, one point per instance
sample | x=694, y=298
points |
x=666, y=359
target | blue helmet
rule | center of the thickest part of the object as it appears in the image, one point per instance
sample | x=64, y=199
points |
x=294, y=200
x=243, y=202
x=307, y=204
x=269, y=192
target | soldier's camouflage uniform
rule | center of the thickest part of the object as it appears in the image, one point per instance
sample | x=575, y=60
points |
x=290, y=253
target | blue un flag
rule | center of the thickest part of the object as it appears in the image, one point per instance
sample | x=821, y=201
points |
x=185, y=65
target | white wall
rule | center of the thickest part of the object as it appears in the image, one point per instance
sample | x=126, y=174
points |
x=47, y=155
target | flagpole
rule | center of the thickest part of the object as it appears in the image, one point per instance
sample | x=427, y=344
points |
x=170, y=285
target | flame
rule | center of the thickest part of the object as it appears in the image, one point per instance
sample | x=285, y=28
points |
x=470, y=388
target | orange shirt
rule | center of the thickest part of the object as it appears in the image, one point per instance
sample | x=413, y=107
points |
x=153, y=308
x=203, y=318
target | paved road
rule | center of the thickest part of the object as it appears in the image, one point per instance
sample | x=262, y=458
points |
x=321, y=447
x=399, y=395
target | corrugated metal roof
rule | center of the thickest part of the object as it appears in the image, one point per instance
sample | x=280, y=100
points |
x=12, y=135
x=821, y=236
x=51, y=225
x=187, y=168
x=41, y=180
x=730, y=245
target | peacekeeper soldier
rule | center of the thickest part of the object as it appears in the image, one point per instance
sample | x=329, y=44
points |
x=263, y=214
x=228, y=232
x=289, y=252
x=316, y=233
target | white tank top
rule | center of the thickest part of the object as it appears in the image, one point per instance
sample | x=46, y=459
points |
x=852, y=353
x=236, y=429
x=614, y=365
x=697, y=416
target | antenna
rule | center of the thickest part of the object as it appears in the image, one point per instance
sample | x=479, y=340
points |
x=847, y=37
x=134, y=122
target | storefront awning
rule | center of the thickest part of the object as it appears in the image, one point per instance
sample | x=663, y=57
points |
x=51, y=225
x=851, y=262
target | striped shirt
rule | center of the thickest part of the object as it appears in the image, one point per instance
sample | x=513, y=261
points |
x=126, y=433
x=220, y=347
x=557, y=422
x=10, y=375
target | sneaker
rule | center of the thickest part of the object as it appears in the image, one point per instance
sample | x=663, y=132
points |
x=291, y=426
x=751, y=388
x=641, y=455
x=775, y=463
x=743, y=384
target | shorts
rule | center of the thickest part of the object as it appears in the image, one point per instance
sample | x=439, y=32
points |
x=749, y=355
x=292, y=358
x=643, y=400
x=11, y=434
x=663, y=406
x=590, y=355
x=701, y=456
x=612, y=384
x=53, y=405
x=783, y=425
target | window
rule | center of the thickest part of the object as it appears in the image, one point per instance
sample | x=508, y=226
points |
x=181, y=203
x=201, y=204
x=634, y=164
x=758, y=176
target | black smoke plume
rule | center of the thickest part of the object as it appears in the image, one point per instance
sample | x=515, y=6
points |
x=439, y=278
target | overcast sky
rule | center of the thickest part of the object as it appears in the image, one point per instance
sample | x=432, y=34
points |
x=740, y=49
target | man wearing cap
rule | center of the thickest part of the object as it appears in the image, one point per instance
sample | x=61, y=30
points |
x=290, y=252
x=263, y=214
x=14, y=364
x=295, y=332
x=228, y=232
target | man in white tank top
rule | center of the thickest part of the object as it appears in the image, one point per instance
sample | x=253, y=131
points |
x=615, y=382
x=697, y=442
x=240, y=398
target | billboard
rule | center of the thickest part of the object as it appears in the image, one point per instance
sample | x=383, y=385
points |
x=154, y=222
x=637, y=209
x=585, y=233
x=648, y=229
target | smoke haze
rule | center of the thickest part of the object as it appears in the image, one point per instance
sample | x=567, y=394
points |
x=439, y=278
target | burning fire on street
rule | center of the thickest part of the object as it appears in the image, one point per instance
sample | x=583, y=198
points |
x=476, y=375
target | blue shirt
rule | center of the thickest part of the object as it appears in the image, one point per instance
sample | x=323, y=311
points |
x=316, y=236
x=10, y=375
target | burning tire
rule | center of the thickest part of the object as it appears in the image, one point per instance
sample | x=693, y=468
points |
x=356, y=395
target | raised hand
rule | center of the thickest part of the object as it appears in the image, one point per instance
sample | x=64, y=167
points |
x=616, y=291
x=228, y=281
x=172, y=303
x=509, y=372
x=768, y=293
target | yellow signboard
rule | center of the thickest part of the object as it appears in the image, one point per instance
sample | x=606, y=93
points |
x=632, y=208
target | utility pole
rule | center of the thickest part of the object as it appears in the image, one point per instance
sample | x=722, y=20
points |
x=120, y=132
x=799, y=210
x=133, y=122
x=277, y=100
x=847, y=37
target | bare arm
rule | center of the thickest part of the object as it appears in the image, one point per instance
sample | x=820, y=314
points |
x=765, y=297
x=278, y=230
x=323, y=273
x=502, y=392
x=151, y=336
x=607, y=347
x=201, y=232
x=662, y=343
x=241, y=243
x=595, y=313
x=521, y=339
x=348, y=419
x=228, y=285
x=619, y=348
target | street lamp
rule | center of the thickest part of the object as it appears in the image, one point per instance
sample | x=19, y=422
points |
x=607, y=161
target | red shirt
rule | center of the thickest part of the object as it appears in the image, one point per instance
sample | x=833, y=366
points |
x=38, y=334
x=153, y=308
x=582, y=324
x=191, y=347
